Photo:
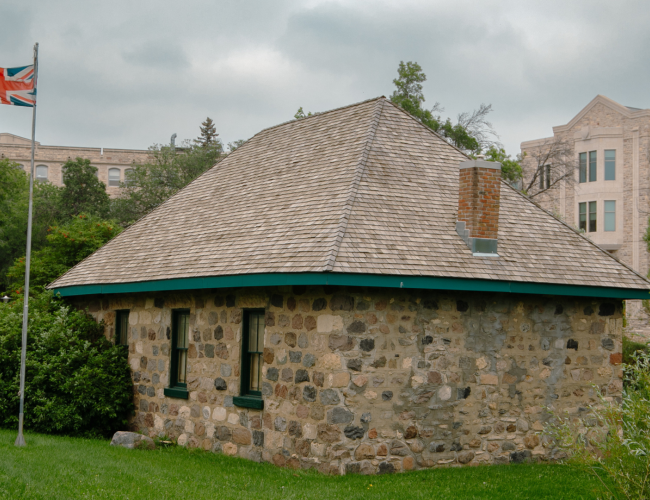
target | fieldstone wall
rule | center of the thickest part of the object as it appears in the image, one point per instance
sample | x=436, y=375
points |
x=373, y=380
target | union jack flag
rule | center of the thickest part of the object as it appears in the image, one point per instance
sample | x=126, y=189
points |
x=17, y=86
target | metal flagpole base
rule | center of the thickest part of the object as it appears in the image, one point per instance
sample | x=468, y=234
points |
x=20, y=440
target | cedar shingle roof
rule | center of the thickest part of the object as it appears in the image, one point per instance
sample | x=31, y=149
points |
x=360, y=189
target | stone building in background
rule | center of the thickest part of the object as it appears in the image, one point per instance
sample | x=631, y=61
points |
x=350, y=293
x=112, y=164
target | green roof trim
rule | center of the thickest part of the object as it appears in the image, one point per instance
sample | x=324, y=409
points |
x=345, y=279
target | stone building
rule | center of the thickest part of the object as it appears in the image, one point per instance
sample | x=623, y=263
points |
x=608, y=195
x=348, y=292
x=112, y=164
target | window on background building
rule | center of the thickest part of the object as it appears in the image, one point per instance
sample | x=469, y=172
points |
x=592, y=216
x=122, y=327
x=41, y=173
x=545, y=177
x=252, y=350
x=178, y=362
x=114, y=177
x=583, y=167
x=610, y=164
x=582, y=214
x=610, y=215
x=593, y=164
x=127, y=176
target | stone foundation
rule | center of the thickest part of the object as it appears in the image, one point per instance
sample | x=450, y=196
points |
x=373, y=380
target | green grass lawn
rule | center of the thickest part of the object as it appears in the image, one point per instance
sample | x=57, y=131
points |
x=65, y=468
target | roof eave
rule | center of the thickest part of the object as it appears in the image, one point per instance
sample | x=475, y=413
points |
x=350, y=279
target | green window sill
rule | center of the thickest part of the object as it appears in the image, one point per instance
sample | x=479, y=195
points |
x=177, y=392
x=248, y=402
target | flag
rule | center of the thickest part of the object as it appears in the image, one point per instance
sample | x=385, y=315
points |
x=17, y=86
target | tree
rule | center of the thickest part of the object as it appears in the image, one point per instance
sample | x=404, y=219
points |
x=301, y=114
x=547, y=165
x=409, y=95
x=235, y=144
x=208, y=137
x=511, y=170
x=67, y=244
x=14, y=200
x=83, y=191
x=471, y=133
x=150, y=184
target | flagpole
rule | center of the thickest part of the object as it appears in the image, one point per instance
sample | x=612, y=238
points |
x=20, y=440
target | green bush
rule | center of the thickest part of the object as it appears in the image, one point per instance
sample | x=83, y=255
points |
x=612, y=442
x=631, y=348
x=77, y=382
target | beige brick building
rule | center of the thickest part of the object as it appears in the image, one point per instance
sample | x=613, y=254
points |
x=111, y=163
x=607, y=194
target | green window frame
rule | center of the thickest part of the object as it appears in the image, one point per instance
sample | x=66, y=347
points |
x=610, y=165
x=178, y=352
x=252, y=359
x=592, y=216
x=610, y=215
x=582, y=217
x=593, y=166
x=122, y=327
x=583, y=166
x=252, y=352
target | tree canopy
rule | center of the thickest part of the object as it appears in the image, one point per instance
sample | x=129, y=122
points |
x=14, y=200
x=170, y=169
x=83, y=192
x=67, y=244
x=472, y=133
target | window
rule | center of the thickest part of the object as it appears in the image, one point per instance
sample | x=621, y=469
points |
x=547, y=172
x=583, y=216
x=592, y=166
x=41, y=173
x=122, y=327
x=545, y=177
x=127, y=176
x=114, y=177
x=178, y=363
x=251, y=364
x=610, y=165
x=610, y=215
x=582, y=221
x=592, y=216
x=583, y=167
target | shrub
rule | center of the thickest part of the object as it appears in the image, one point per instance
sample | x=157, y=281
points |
x=77, y=382
x=631, y=348
x=613, y=441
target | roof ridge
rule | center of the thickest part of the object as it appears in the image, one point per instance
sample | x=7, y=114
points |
x=354, y=187
x=320, y=113
x=574, y=230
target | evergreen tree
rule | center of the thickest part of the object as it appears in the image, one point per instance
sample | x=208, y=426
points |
x=208, y=135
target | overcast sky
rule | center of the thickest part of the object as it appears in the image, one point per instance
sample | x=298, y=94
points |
x=128, y=74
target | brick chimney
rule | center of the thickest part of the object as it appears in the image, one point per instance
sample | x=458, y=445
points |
x=479, y=194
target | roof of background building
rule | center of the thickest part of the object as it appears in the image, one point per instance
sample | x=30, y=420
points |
x=361, y=189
